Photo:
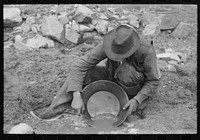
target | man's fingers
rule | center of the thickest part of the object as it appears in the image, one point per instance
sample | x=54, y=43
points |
x=83, y=109
x=126, y=106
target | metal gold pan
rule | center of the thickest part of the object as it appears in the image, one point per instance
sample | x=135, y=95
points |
x=109, y=86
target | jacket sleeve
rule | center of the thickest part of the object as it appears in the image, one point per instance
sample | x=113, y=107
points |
x=80, y=67
x=151, y=76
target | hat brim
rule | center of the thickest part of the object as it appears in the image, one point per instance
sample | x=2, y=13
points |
x=107, y=45
x=105, y=85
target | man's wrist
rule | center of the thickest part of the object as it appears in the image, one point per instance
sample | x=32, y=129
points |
x=76, y=94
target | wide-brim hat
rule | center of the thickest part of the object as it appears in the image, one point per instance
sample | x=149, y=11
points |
x=121, y=42
x=109, y=86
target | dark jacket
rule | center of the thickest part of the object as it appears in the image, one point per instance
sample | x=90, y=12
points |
x=143, y=60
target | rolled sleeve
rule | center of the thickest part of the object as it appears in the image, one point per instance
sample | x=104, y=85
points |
x=80, y=67
x=151, y=76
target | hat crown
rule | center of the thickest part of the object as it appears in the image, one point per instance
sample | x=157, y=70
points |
x=123, y=34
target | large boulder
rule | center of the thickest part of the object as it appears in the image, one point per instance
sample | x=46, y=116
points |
x=83, y=14
x=11, y=17
x=168, y=56
x=52, y=27
x=151, y=30
x=39, y=41
x=133, y=20
x=102, y=26
x=182, y=30
x=21, y=128
x=71, y=35
x=169, y=22
x=21, y=46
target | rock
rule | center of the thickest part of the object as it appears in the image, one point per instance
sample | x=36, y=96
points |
x=75, y=26
x=25, y=27
x=133, y=131
x=168, y=56
x=71, y=35
x=21, y=128
x=169, y=50
x=83, y=14
x=102, y=26
x=182, y=30
x=7, y=44
x=38, y=16
x=94, y=22
x=21, y=46
x=102, y=16
x=151, y=30
x=52, y=27
x=39, y=41
x=171, y=68
x=35, y=28
x=134, y=21
x=18, y=38
x=184, y=57
x=162, y=65
x=169, y=22
x=30, y=20
x=111, y=9
x=64, y=20
x=173, y=62
x=110, y=28
x=83, y=28
x=11, y=17
x=116, y=17
x=152, y=18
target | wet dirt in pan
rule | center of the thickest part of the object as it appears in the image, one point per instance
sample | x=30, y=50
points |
x=103, y=106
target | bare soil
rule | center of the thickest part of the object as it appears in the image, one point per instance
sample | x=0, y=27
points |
x=32, y=79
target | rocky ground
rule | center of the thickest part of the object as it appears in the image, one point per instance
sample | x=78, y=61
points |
x=42, y=41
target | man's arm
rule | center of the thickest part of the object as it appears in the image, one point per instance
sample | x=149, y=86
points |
x=80, y=67
x=151, y=76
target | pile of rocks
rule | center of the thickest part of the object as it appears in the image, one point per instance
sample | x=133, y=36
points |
x=42, y=29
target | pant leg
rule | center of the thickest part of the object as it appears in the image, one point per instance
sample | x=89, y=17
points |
x=62, y=101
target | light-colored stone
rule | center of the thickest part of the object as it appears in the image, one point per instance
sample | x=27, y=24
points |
x=94, y=22
x=52, y=27
x=116, y=17
x=11, y=16
x=39, y=41
x=21, y=128
x=18, y=38
x=171, y=68
x=182, y=30
x=82, y=12
x=25, y=27
x=173, y=62
x=30, y=20
x=168, y=56
x=102, y=16
x=38, y=16
x=133, y=20
x=83, y=28
x=102, y=26
x=71, y=35
x=111, y=9
x=21, y=46
x=169, y=50
x=64, y=20
x=75, y=26
x=35, y=28
x=151, y=30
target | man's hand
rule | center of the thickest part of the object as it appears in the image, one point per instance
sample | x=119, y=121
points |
x=131, y=105
x=77, y=102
